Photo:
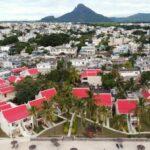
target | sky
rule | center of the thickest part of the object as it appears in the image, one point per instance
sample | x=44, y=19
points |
x=37, y=9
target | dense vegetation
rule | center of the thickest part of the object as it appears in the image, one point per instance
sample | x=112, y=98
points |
x=19, y=46
x=9, y=40
x=145, y=78
x=29, y=87
x=52, y=40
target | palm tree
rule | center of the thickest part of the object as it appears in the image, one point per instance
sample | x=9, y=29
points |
x=47, y=112
x=89, y=105
x=65, y=98
x=34, y=114
x=74, y=75
x=141, y=113
x=102, y=114
x=119, y=122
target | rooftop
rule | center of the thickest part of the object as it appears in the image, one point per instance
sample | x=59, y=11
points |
x=37, y=102
x=126, y=106
x=103, y=99
x=15, y=114
x=49, y=93
x=81, y=92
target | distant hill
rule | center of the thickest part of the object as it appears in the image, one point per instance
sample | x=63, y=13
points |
x=84, y=14
x=140, y=17
x=80, y=14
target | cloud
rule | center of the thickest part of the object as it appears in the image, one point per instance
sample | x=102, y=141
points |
x=36, y=9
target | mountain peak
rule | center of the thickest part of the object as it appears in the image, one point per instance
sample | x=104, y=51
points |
x=82, y=14
x=80, y=6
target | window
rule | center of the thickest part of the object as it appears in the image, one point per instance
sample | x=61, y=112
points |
x=84, y=78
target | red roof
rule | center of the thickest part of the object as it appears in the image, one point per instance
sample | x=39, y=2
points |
x=33, y=71
x=18, y=70
x=16, y=113
x=80, y=92
x=4, y=85
x=2, y=81
x=103, y=99
x=37, y=103
x=2, y=103
x=49, y=93
x=90, y=72
x=5, y=107
x=126, y=106
x=94, y=70
x=8, y=89
x=146, y=94
x=14, y=79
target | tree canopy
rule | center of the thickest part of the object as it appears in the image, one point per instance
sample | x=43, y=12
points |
x=9, y=40
x=52, y=40
x=145, y=78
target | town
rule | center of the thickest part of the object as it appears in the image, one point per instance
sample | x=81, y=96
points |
x=66, y=79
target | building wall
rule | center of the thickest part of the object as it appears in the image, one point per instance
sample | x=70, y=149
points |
x=5, y=126
x=7, y=96
x=92, y=80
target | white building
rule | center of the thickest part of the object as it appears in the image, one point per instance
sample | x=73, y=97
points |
x=91, y=77
x=130, y=74
x=79, y=62
x=92, y=80
x=5, y=48
x=7, y=91
x=63, y=50
x=44, y=67
x=88, y=50
x=122, y=49
x=7, y=64
x=15, y=121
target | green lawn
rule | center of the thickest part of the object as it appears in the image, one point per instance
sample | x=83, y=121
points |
x=145, y=127
x=102, y=133
x=56, y=131
x=59, y=131
x=110, y=134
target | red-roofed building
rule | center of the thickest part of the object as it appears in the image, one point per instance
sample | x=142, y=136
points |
x=29, y=72
x=146, y=94
x=98, y=71
x=103, y=99
x=7, y=92
x=2, y=103
x=16, y=114
x=18, y=70
x=2, y=81
x=91, y=77
x=13, y=119
x=36, y=103
x=88, y=74
x=48, y=94
x=80, y=92
x=126, y=106
x=5, y=107
x=14, y=79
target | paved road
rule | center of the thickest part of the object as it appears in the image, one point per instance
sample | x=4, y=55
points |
x=66, y=145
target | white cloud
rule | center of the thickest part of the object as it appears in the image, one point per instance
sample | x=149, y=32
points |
x=36, y=9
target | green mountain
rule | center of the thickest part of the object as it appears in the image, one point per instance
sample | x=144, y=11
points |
x=140, y=17
x=80, y=14
x=84, y=14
